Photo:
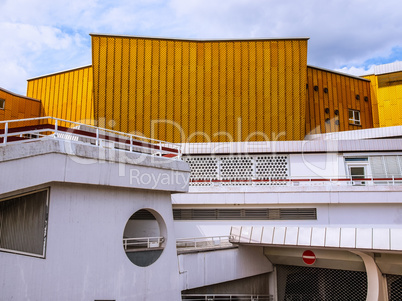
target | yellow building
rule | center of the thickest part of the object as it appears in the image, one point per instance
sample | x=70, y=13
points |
x=386, y=94
x=67, y=95
x=206, y=91
x=14, y=106
x=337, y=102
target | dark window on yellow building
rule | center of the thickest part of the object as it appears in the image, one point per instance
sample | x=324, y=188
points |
x=354, y=117
x=2, y=103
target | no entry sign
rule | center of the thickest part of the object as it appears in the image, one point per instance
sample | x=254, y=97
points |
x=308, y=257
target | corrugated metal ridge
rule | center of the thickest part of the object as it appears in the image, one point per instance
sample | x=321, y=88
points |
x=18, y=95
x=59, y=72
x=374, y=133
x=306, y=146
x=337, y=72
x=198, y=40
x=348, y=237
x=388, y=68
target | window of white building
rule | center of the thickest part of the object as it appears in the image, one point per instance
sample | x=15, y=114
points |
x=357, y=169
x=23, y=223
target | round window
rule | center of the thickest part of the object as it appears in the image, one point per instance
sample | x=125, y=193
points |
x=144, y=237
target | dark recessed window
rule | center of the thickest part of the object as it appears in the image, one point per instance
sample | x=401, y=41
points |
x=325, y=90
x=2, y=103
x=327, y=110
x=365, y=98
x=23, y=223
x=315, y=88
x=357, y=97
x=336, y=112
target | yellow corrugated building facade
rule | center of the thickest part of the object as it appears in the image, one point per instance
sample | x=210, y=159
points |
x=386, y=94
x=206, y=91
x=14, y=106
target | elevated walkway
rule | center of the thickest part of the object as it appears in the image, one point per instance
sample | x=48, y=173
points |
x=211, y=260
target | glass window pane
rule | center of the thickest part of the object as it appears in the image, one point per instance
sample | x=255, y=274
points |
x=357, y=172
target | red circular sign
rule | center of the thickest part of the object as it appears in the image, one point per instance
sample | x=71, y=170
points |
x=308, y=257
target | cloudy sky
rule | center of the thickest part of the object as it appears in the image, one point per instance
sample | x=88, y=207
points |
x=45, y=36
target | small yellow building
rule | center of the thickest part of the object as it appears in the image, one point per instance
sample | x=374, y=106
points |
x=386, y=94
x=14, y=106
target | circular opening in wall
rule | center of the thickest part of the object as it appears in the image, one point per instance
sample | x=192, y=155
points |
x=315, y=88
x=144, y=237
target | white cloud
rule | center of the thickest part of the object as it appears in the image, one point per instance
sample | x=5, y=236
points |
x=29, y=50
x=46, y=36
x=358, y=71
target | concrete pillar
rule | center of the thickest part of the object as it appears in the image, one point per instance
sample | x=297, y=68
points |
x=376, y=282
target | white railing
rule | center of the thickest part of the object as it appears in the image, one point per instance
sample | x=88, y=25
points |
x=142, y=242
x=202, y=242
x=31, y=129
x=303, y=181
x=226, y=297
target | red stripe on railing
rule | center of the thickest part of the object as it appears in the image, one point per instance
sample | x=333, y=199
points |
x=296, y=180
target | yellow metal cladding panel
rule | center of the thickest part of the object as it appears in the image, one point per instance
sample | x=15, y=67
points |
x=66, y=95
x=330, y=96
x=18, y=107
x=201, y=91
x=386, y=91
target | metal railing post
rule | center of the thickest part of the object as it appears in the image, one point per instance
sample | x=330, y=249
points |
x=131, y=143
x=5, y=133
x=55, y=128
x=97, y=137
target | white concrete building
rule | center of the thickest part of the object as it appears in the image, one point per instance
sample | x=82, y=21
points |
x=86, y=214
x=338, y=195
x=66, y=222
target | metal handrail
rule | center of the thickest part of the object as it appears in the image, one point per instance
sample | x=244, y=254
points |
x=226, y=297
x=50, y=127
x=142, y=242
x=195, y=242
x=296, y=181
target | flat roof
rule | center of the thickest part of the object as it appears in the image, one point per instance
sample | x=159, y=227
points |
x=198, y=40
x=293, y=147
x=386, y=68
x=374, y=133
